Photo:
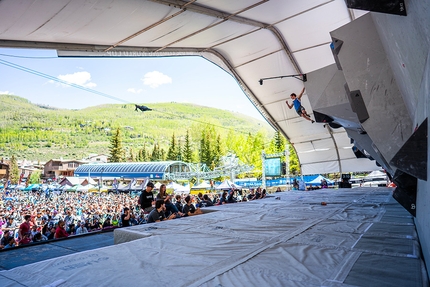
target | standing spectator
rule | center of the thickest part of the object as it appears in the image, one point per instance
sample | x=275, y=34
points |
x=70, y=218
x=146, y=198
x=24, y=230
x=60, y=232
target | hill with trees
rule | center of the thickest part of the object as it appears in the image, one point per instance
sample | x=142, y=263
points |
x=187, y=132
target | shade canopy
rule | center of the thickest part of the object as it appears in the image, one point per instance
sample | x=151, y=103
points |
x=249, y=39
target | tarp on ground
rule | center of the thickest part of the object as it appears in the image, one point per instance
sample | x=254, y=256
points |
x=358, y=239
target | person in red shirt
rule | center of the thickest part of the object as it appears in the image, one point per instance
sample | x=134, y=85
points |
x=24, y=230
x=60, y=232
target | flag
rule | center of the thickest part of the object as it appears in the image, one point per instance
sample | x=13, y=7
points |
x=132, y=182
x=144, y=183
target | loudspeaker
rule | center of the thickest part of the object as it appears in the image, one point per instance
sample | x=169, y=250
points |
x=396, y=7
x=406, y=191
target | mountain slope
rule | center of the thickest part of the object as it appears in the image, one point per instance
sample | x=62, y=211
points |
x=39, y=132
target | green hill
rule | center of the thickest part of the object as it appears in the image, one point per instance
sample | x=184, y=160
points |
x=37, y=132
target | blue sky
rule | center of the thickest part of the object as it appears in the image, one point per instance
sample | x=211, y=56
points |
x=137, y=80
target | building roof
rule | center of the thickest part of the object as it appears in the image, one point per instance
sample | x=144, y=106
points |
x=153, y=170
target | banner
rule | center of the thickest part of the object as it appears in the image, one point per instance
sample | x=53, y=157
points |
x=272, y=167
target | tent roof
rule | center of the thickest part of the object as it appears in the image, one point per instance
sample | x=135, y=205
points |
x=226, y=184
x=151, y=170
x=248, y=39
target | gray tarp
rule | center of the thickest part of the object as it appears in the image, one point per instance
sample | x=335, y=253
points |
x=360, y=238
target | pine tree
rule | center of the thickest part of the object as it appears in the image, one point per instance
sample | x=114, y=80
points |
x=132, y=155
x=179, y=151
x=188, y=153
x=117, y=152
x=14, y=170
x=155, y=155
x=217, y=152
x=172, y=152
x=279, y=142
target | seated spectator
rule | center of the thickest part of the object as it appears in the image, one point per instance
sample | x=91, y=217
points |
x=125, y=217
x=230, y=197
x=5, y=239
x=263, y=194
x=206, y=202
x=157, y=214
x=215, y=199
x=189, y=209
x=107, y=224
x=115, y=220
x=199, y=199
x=71, y=229
x=96, y=225
x=258, y=193
x=39, y=237
x=324, y=183
x=278, y=189
x=178, y=202
x=60, y=232
x=223, y=199
x=251, y=195
x=10, y=243
x=81, y=229
x=33, y=231
x=51, y=234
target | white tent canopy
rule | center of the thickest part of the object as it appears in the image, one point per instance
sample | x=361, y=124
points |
x=318, y=179
x=250, y=40
x=177, y=188
x=226, y=184
x=202, y=185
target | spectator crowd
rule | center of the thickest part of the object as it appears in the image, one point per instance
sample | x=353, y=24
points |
x=27, y=217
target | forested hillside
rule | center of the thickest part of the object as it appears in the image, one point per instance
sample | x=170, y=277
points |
x=36, y=132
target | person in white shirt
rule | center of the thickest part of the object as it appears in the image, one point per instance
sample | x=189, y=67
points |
x=81, y=229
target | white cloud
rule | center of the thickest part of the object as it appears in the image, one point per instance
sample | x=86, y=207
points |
x=6, y=93
x=155, y=79
x=78, y=78
x=134, y=91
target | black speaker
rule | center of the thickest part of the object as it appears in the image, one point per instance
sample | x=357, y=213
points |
x=396, y=7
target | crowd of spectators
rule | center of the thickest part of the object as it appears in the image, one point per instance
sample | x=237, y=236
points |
x=27, y=217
